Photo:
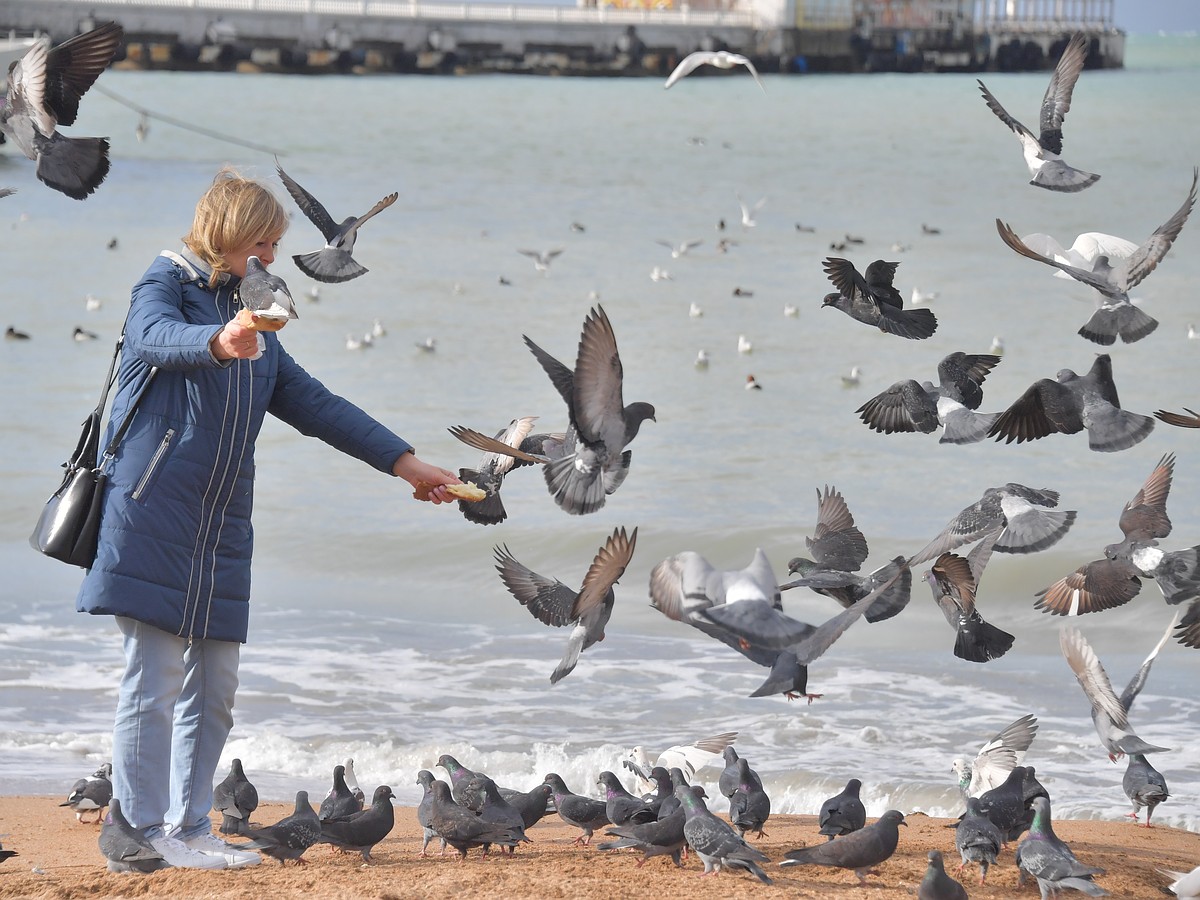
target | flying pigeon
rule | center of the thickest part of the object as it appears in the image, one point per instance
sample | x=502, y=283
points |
x=288, y=838
x=44, y=90
x=553, y=603
x=1050, y=860
x=1189, y=626
x=235, y=799
x=843, y=813
x=1109, y=712
x=937, y=885
x=1043, y=152
x=1069, y=404
x=1002, y=753
x=91, y=794
x=333, y=263
x=340, y=801
x=689, y=758
x=911, y=406
x=1115, y=580
x=719, y=59
x=977, y=839
x=954, y=582
x=361, y=831
x=594, y=462
x=582, y=812
x=717, y=845
x=861, y=850
x=1116, y=315
x=873, y=300
x=125, y=847
x=1144, y=786
x=497, y=462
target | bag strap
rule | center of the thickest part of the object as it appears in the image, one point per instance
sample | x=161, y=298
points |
x=117, y=437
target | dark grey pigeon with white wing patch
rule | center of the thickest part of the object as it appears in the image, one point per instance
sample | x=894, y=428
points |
x=125, y=847
x=873, y=300
x=333, y=263
x=91, y=794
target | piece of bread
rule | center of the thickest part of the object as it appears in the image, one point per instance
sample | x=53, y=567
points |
x=248, y=319
x=467, y=492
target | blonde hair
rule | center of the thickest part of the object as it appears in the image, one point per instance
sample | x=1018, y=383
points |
x=234, y=213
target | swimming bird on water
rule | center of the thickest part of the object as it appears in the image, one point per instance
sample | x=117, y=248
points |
x=752, y=384
x=853, y=378
x=719, y=59
x=701, y=359
x=1042, y=152
x=744, y=344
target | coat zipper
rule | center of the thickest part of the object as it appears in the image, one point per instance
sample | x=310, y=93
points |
x=154, y=461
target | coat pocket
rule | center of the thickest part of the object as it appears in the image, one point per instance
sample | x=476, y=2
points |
x=146, y=483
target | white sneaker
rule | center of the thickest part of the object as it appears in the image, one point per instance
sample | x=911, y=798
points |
x=211, y=844
x=179, y=854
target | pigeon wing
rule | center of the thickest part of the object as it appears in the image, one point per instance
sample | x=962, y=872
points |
x=1002, y=114
x=824, y=635
x=879, y=277
x=357, y=223
x=904, y=407
x=1046, y=407
x=1099, y=585
x=1057, y=101
x=836, y=542
x=1144, y=260
x=1091, y=676
x=845, y=278
x=1145, y=516
x=961, y=374
x=473, y=438
x=608, y=566
x=561, y=377
x=1139, y=677
x=550, y=601
x=597, y=406
x=309, y=205
x=74, y=65
x=1191, y=420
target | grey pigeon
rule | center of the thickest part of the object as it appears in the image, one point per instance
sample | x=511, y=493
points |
x=662, y=789
x=361, y=831
x=727, y=783
x=749, y=805
x=553, y=603
x=533, y=805
x=954, y=581
x=1116, y=316
x=265, y=295
x=460, y=827
x=838, y=551
x=1110, y=713
x=492, y=807
x=1071, y=403
x=671, y=804
x=582, y=812
x=717, y=845
x=1002, y=753
x=91, y=794
x=937, y=885
x=125, y=847
x=1180, y=420
x=860, y=851
x=1043, y=152
x=978, y=839
x=340, y=801
x=594, y=461
x=873, y=300
x=288, y=838
x=1049, y=860
x=8, y=854
x=332, y=263
x=909, y=406
x=1008, y=804
x=45, y=87
x=1144, y=786
x=662, y=837
x=495, y=464
x=425, y=811
x=843, y=813
x=1025, y=517
x=621, y=807
x=460, y=778
x=1115, y=580
x=235, y=799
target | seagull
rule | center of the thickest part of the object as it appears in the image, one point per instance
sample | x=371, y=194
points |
x=1002, y=753
x=873, y=300
x=92, y=303
x=720, y=59
x=659, y=274
x=744, y=345
x=1071, y=403
x=429, y=345
x=701, y=359
x=553, y=603
x=919, y=297
x=1042, y=153
x=929, y=229
x=356, y=343
x=791, y=310
x=680, y=249
x=853, y=378
x=45, y=87
x=689, y=758
x=749, y=211
x=911, y=406
x=694, y=311
x=541, y=261
x=1116, y=316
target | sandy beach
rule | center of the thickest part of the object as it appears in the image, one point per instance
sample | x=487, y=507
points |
x=59, y=859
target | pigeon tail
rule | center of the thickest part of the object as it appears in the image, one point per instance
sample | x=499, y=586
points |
x=1085, y=885
x=73, y=166
x=966, y=427
x=1126, y=321
x=914, y=324
x=329, y=264
x=488, y=511
x=787, y=677
x=1178, y=575
x=571, y=655
x=978, y=641
x=1131, y=744
x=1112, y=429
x=577, y=492
x=1029, y=534
x=232, y=824
x=1056, y=175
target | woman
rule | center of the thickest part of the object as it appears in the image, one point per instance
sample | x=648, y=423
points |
x=173, y=563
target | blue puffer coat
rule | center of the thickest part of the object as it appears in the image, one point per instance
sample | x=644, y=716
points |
x=176, y=539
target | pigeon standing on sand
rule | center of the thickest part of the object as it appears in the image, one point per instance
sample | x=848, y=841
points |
x=594, y=461
x=843, y=813
x=8, y=854
x=978, y=839
x=749, y=805
x=937, y=885
x=333, y=263
x=340, y=801
x=361, y=831
x=352, y=780
x=1110, y=713
x=125, y=847
x=460, y=777
x=689, y=758
x=235, y=799
x=873, y=300
x=621, y=807
x=1144, y=786
x=91, y=794
x=461, y=828
x=45, y=87
x=996, y=758
x=1071, y=403
x=662, y=837
x=533, y=805
x=1005, y=805
x=425, y=811
x=494, y=808
x=727, y=783
x=582, y=812
x=1116, y=316
x=860, y=851
x=288, y=838
x=1049, y=860
x=553, y=603
x=954, y=582
x=717, y=845
x=1043, y=152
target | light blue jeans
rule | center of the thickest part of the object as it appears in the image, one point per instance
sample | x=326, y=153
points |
x=174, y=712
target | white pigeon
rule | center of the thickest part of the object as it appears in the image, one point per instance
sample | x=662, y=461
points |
x=720, y=59
x=351, y=779
x=689, y=758
x=996, y=758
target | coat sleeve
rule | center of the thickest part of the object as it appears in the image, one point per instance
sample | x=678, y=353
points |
x=312, y=409
x=156, y=331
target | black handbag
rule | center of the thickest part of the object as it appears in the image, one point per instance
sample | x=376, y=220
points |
x=69, y=526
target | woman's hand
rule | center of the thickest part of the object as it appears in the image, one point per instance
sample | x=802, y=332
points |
x=415, y=471
x=235, y=341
